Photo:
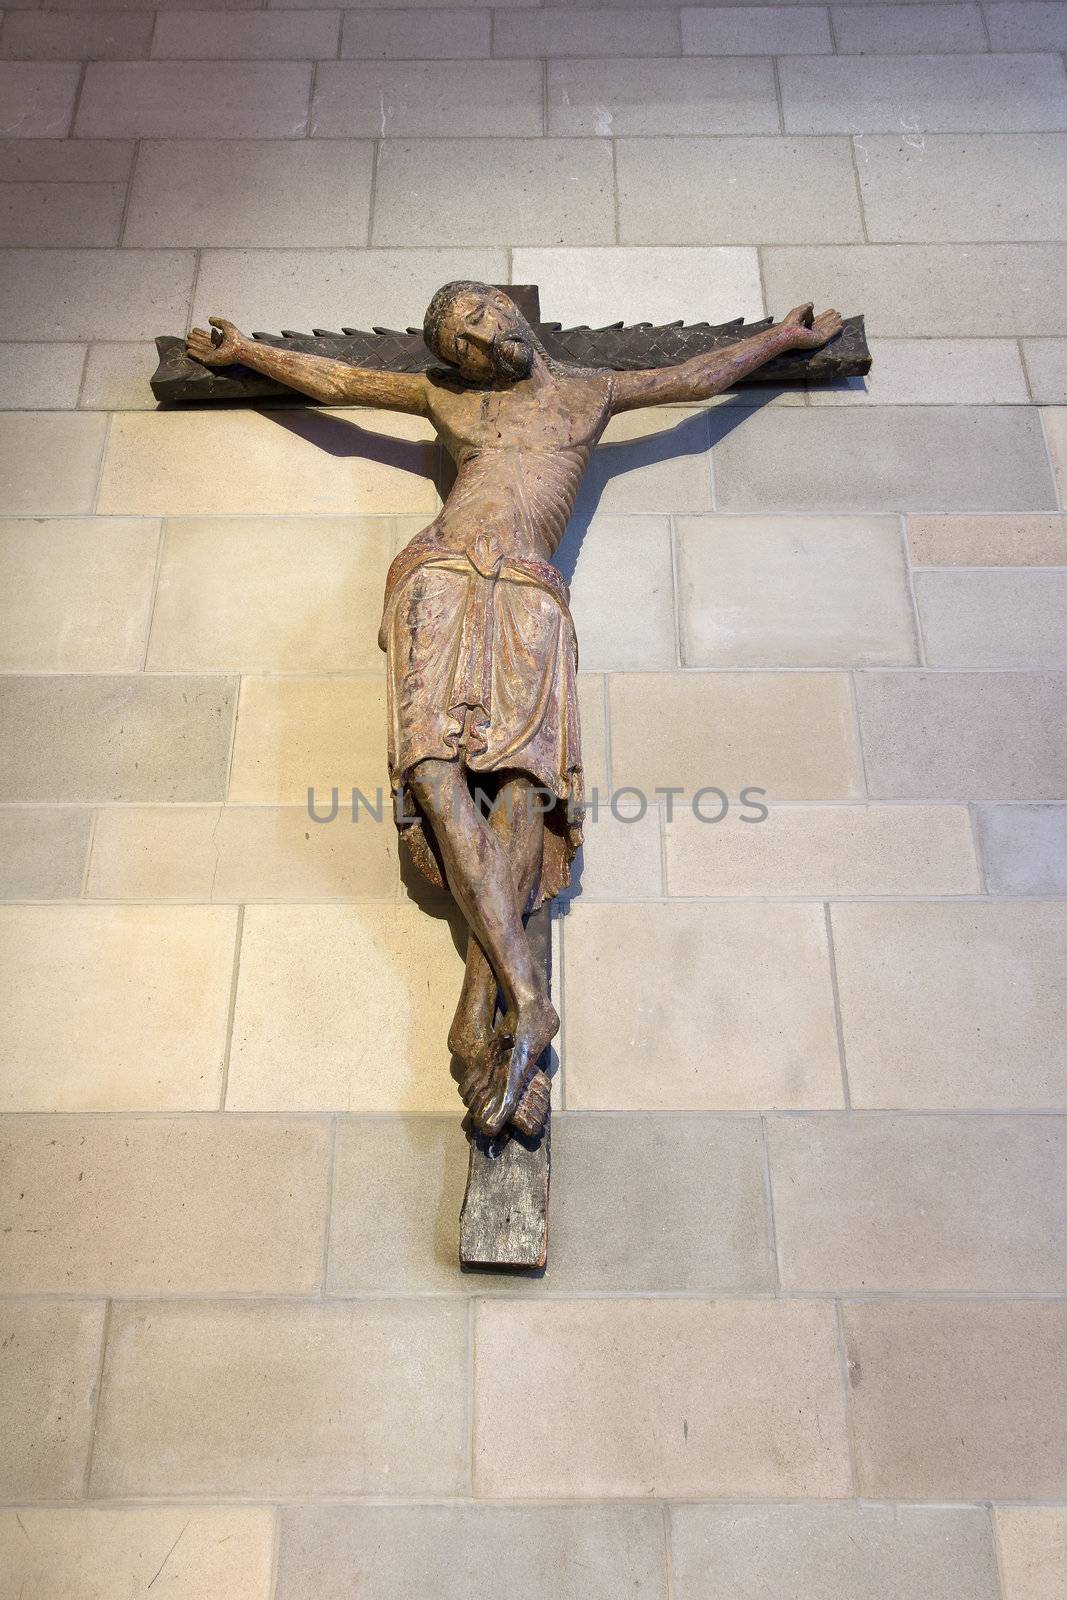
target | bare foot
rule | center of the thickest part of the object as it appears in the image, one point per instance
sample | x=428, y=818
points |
x=531, y=1113
x=531, y=1030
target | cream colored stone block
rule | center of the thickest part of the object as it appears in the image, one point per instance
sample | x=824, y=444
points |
x=823, y=850
x=1032, y=1539
x=658, y=1397
x=254, y=192
x=295, y=734
x=1046, y=366
x=953, y=1005
x=790, y=734
x=594, y=732
x=204, y=463
x=622, y=591
x=647, y=284
x=66, y=160
x=94, y=294
x=279, y=594
x=621, y=851
x=114, y=1007
x=672, y=1007
x=650, y=461
x=96, y=1553
x=178, y=1205
x=581, y=31
x=59, y=36
x=242, y=853
x=75, y=594
x=921, y=189
x=49, y=1361
x=49, y=462
x=934, y=93
x=49, y=214
x=194, y=99
x=40, y=377
x=116, y=377
x=988, y=541
x=793, y=591
x=671, y=95
x=38, y=97
x=276, y=1399
x=43, y=851
x=909, y=1204
x=328, y=1014
x=923, y=372
x=410, y=34
x=281, y=36
x=1054, y=419
x=958, y=1400
x=428, y=99
x=993, y=619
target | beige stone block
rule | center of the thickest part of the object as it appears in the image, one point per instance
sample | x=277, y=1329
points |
x=953, y=1005
x=793, y=591
x=1046, y=363
x=568, y=1552
x=1032, y=1539
x=424, y=100
x=49, y=1361
x=328, y=1016
x=94, y=294
x=620, y=857
x=580, y=31
x=824, y=850
x=1019, y=541
x=144, y=5
x=97, y=1553
x=38, y=97
x=267, y=462
x=892, y=30
x=923, y=372
x=61, y=213
x=115, y=1007
x=276, y=1399
x=790, y=734
x=40, y=377
x=298, y=733
x=1054, y=419
x=1025, y=26
x=1023, y=848
x=630, y=1201
x=620, y=567
x=658, y=1397
x=885, y=458
x=924, y=93
x=958, y=1400
x=242, y=853
x=673, y=95
x=931, y=291
x=963, y=735
x=591, y=708
x=724, y=1007
x=265, y=36
x=194, y=100
x=75, y=594
x=876, y=1205
x=647, y=284
x=97, y=738
x=993, y=619
x=255, y=192
x=832, y=1552
x=552, y=191
x=444, y=35
x=665, y=196
x=268, y=289
x=65, y=160
x=650, y=461
x=116, y=377
x=56, y=36
x=42, y=852
x=190, y=1205
x=50, y=462
x=766, y=30
x=923, y=189
x=283, y=594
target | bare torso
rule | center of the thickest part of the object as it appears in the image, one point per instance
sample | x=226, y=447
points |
x=520, y=452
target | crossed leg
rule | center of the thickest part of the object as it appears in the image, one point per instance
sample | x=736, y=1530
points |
x=489, y=864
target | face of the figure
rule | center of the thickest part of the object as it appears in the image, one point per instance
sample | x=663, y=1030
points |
x=486, y=337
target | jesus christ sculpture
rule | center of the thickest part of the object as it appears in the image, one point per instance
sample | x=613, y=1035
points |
x=484, y=746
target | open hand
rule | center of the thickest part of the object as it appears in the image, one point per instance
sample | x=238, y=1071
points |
x=220, y=348
x=808, y=331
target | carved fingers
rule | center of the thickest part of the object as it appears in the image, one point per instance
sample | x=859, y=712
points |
x=809, y=332
x=218, y=348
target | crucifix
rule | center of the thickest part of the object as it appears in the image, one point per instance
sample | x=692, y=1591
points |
x=484, y=746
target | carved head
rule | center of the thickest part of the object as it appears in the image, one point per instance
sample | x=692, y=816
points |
x=481, y=331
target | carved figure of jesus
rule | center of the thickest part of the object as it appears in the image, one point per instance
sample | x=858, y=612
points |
x=484, y=741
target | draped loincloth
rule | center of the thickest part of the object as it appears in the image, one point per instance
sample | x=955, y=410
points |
x=482, y=669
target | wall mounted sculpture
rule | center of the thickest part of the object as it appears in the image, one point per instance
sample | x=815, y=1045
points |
x=484, y=745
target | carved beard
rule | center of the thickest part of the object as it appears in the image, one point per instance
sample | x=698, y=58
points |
x=511, y=356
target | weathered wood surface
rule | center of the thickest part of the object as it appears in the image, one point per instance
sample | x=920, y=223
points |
x=504, y=1220
x=624, y=349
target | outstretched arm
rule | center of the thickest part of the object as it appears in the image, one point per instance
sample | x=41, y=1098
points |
x=336, y=382
x=710, y=374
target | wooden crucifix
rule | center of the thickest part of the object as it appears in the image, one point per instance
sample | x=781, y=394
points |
x=484, y=745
